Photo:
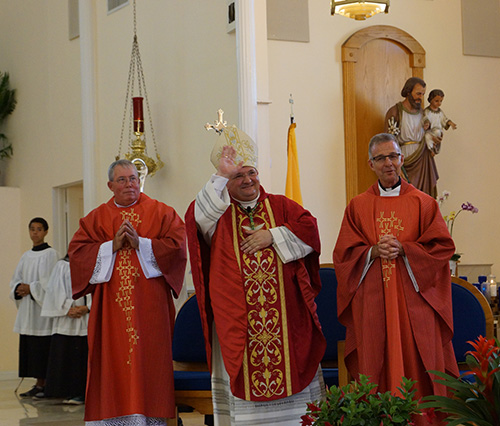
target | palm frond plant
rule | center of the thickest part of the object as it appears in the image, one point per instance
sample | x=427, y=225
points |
x=7, y=106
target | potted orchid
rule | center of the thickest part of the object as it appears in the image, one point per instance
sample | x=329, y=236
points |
x=358, y=404
x=474, y=395
x=453, y=215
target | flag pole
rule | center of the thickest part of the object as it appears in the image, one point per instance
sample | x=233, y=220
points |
x=292, y=186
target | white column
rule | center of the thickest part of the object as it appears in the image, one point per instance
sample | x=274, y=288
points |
x=245, y=56
x=86, y=10
x=253, y=113
x=263, y=100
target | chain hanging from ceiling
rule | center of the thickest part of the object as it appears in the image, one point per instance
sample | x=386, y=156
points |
x=146, y=166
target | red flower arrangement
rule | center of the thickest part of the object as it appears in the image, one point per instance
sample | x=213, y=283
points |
x=475, y=394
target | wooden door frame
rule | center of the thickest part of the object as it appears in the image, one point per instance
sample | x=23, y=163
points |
x=350, y=51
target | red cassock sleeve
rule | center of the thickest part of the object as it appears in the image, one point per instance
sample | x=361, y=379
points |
x=199, y=258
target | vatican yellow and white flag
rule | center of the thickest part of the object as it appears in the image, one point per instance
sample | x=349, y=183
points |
x=292, y=189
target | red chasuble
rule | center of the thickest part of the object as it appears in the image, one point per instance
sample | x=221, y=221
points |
x=264, y=310
x=131, y=320
x=393, y=329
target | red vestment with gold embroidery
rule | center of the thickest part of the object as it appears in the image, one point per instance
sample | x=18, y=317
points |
x=393, y=330
x=131, y=320
x=264, y=310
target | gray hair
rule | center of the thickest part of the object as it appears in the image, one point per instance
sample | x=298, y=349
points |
x=381, y=138
x=122, y=163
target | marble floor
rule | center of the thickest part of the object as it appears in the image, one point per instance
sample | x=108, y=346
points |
x=50, y=412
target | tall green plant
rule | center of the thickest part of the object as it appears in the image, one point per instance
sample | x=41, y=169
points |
x=7, y=106
x=473, y=401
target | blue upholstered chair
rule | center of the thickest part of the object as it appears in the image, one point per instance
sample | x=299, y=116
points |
x=472, y=317
x=334, y=371
x=191, y=375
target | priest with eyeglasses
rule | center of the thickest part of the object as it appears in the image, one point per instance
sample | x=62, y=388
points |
x=130, y=254
x=394, y=285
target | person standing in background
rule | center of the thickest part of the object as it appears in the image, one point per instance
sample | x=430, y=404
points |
x=27, y=289
x=67, y=367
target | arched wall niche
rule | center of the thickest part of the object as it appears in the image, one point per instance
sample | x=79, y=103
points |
x=376, y=62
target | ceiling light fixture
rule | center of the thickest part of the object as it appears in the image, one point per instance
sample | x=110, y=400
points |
x=359, y=10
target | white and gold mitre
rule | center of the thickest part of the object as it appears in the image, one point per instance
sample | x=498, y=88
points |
x=246, y=148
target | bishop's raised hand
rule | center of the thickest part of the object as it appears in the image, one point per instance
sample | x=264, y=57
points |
x=227, y=165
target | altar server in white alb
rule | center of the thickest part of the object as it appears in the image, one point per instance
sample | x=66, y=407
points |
x=27, y=289
x=67, y=368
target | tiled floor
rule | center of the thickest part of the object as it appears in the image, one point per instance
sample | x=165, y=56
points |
x=51, y=412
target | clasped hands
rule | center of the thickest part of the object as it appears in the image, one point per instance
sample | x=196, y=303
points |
x=257, y=240
x=23, y=290
x=387, y=248
x=126, y=237
x=77, y=311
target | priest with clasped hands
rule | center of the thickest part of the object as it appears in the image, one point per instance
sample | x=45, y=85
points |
x=394, y=284
x=130, y=253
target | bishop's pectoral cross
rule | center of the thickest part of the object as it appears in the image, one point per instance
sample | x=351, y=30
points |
x=249, y=211
x=389, y=226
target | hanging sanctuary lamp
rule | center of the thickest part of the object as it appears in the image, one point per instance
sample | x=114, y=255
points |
x=134, y=109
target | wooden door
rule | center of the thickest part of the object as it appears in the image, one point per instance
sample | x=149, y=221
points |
x=376, y=63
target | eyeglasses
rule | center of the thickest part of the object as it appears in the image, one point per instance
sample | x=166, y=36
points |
x=251, y=174
x=381, y=158
x=123, y=180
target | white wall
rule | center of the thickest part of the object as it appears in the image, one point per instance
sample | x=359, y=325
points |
x=44, y=130
x=190, y=66
x=468, y=162
x=9, y=256
x=45, y=127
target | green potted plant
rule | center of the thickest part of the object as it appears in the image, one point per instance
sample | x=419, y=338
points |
x=357, y=404
x=7, y=106
x=474, y=395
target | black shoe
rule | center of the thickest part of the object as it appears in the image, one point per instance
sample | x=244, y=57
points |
x=77, y=400
x=32, y=392
x=39, y=395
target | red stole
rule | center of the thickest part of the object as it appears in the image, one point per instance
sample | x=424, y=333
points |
x=389, y=214
x=266, y=359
